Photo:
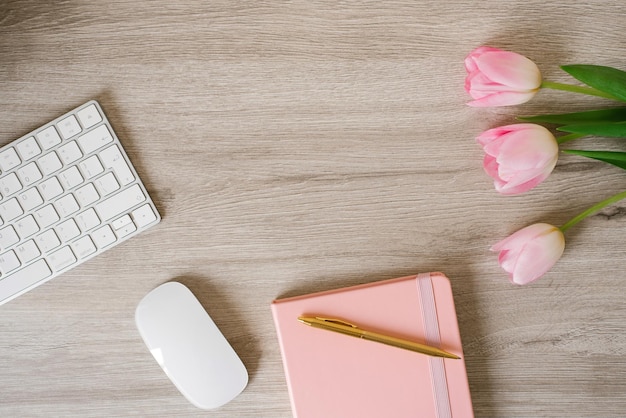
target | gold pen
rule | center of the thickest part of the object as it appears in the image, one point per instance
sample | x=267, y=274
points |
x=347, y=328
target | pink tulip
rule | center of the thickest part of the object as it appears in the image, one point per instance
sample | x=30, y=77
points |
x=530, y=252
x=518, y=156
x=500, y=78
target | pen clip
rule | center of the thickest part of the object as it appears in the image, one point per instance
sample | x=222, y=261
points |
x=336, y=321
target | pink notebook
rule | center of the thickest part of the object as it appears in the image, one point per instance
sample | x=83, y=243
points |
x=332, y=375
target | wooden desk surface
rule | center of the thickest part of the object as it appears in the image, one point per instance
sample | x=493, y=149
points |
x=300, y=146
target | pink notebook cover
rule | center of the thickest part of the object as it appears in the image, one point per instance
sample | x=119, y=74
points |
x=331, y=375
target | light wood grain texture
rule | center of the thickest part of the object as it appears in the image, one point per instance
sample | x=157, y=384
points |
x=297, y=146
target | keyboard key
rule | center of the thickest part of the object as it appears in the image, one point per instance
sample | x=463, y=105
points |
x=69, y=127
x=123, y=226
x=9, y=262
x=23, y=279
x=51, y=188
x=69, y=152
x=143, y=216
x=70, y=177
x=10, y=210
x=30, y=199
x=91, y=167
x=9, y=159
x=89, y=116
x=112, y=158
x=29, y=174
x=28, y=148
x=48, y=138
x=27, y=226
x=120, y=222
x=83, y=247
x=62, y=258
x=66, y=205
x=86, y=195
x=8, y=237
x=47, y=241
x=103, y=236
x=126, y=230
x=120, y=203
x=95, y=139
x=107, y=184
x=49, y=163
x=10, y=184
x=46, y=216
x=87, y=219
x=67, y=230
x=27, y=251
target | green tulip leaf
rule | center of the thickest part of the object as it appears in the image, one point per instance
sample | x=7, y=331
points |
x=606, y=79
x=616, y=114
x=609, y=129
x=612, y=157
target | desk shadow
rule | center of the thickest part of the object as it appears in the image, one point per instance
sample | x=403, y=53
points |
x=222, y=310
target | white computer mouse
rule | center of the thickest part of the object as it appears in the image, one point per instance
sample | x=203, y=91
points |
x=189, y=347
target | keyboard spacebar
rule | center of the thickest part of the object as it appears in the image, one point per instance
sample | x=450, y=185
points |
x=23, y=279
x=120, y=203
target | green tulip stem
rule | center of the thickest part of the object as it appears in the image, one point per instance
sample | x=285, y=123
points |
x=568, y=137
x=592, y=210
x=576, y=89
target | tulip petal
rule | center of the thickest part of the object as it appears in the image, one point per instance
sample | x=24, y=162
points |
x=470, y=60
x=511, y=69
x=496, y=133
x=508, y=260
x=478, y=85
x=490, y=165
x=513, y=189
x=521, y=236
x=518, y=153
x=505, y=98
x=538, y=256
x=495, y=146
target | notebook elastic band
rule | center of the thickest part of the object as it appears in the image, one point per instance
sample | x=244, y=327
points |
x=431, y=332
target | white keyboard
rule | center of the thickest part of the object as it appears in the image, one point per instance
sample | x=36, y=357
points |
x=68, y=192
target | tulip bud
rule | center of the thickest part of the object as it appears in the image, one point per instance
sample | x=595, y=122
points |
x=518, y=157
x=500, y=78
x=530, y=252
